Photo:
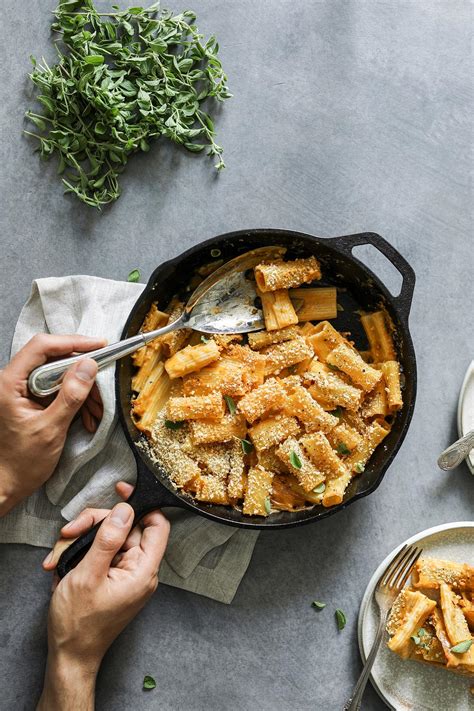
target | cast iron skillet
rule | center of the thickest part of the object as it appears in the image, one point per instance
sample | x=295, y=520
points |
x=359, y=289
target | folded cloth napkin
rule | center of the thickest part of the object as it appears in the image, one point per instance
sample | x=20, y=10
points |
x=202, y=556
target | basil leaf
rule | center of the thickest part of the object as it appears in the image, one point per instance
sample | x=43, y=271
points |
x=342, y=448
x=320, y=488
x=337, y=412
x=318, y=605
x=268, y=505
x=462, y=647
x=134, y=275
x=94, y=59
x=173, y=425
x=230, y=404
x=149, y=682
x=340, y=619
x=295, y=461
x=247, y=446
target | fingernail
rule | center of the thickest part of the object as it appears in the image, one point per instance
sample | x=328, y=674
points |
x=86, y=370
x=120, y=515
x=48, y=558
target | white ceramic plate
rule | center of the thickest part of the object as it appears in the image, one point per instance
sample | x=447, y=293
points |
x=466, y=410
x=409, y=685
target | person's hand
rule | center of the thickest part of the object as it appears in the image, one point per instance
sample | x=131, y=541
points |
x=93, y=603
x=32, y=433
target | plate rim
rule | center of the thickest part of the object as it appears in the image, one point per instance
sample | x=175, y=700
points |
x=371, y=584
x=469, y=373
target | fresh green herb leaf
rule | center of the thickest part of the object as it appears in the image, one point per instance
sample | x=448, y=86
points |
x=215, y=253
x=268, y=505
x=359, y=468
x=421, y=632
x=320, y=488
x=462, y=647
x=94, y=59
x=121, y=80
x=204, y=339
x=173, y=425
x=333, y=367
x=340, y=619
x=231, y=406
x=134, y=275
x=415, y=638
x=149, y=683
x=295, y=461
x=337, y=412
x=247, y=446
x=318, y=605
x=342, y=448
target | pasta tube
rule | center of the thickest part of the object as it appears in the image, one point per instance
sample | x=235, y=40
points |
x=257, y=495
x=284, y=275
x=284, y=355
x=224, y=430
x=257, y=403
x=278, y=310
x=191, y=358
x=314, y=304
x=350, y=362
x=379, y=336
x=272, y=431
x=198, y=407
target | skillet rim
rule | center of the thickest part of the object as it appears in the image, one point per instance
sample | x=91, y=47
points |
x=171, y=497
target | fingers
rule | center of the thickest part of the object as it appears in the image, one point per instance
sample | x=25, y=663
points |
x=109, y=540
x=51, y=560
x=88, y=421
x=83, y=522
x=75, y=388
x=154, y=540
x=44, y=346
x=124, y=490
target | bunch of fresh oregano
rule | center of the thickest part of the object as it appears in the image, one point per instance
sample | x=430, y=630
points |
x=122, y=79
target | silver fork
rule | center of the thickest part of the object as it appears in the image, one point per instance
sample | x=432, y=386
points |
x=390, y=584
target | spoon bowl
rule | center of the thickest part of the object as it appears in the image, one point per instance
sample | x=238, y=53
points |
x=225, y=302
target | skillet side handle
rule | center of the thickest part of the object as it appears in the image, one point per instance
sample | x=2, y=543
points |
x=149, y=494
x=405, y=297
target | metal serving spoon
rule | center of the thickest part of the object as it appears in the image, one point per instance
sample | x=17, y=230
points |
x=457, y=452
x=222, y=303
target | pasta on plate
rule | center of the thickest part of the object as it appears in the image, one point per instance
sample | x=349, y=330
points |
x=279, y=419
x=431, y=620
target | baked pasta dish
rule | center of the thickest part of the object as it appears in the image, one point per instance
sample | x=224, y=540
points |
x=278, y=419
x=432, y=620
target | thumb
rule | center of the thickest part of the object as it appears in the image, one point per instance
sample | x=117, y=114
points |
x=75, y=388
x=110, y=538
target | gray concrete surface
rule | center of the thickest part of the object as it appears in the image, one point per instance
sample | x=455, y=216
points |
x=348, y=116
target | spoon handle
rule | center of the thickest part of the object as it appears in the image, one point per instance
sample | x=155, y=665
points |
x=457, y=452
x=47, y=379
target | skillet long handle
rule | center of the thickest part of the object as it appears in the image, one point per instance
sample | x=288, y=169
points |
x=47, y=379
x=149, y=494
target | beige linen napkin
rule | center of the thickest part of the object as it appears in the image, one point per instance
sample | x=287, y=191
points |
x=202, y=556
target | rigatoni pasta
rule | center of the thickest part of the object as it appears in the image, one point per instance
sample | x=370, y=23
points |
x=428, y=620
x=280, y=419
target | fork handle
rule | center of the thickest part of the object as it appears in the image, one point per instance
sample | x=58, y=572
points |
x=353, y=704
